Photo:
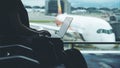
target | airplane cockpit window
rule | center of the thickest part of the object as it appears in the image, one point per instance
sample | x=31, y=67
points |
x=99, y=31
x=97, y=21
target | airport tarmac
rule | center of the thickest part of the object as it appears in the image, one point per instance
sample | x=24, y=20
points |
x=39, y=16
x=102, y=60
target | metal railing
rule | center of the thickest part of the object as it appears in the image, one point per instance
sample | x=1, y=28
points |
x=77, y=42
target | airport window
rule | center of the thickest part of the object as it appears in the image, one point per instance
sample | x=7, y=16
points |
x=106, y=48
x=47, y=10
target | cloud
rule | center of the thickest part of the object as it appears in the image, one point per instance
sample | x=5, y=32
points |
x=99, y=1
x=75, y=3
x=93, y=1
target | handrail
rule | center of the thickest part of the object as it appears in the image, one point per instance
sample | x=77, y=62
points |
x=77, y=42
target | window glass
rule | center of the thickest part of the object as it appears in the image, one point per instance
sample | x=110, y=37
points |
x=95, y=29
x=93, y=21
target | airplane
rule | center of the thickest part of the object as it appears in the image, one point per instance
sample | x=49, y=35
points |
x=91, y=29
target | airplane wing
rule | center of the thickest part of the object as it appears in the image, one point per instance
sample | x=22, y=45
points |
x=43, y=26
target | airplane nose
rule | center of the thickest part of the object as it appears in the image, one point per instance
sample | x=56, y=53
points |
x=106, y=38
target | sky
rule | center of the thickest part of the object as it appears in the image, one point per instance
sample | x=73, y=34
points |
x=82, y=3
x=34, y=2
x=96, y=3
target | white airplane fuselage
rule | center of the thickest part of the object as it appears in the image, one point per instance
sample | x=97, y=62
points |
x=92, y=29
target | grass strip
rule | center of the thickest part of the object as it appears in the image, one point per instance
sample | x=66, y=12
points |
x=42, y=21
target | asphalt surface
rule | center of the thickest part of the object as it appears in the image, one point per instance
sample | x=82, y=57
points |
x=102, y=60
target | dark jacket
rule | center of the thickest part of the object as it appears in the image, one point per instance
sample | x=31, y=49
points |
x=14, y=19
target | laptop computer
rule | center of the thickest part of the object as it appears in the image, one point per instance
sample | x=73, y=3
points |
x=63, y=29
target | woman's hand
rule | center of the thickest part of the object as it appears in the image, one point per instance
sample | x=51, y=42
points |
x=44, y=33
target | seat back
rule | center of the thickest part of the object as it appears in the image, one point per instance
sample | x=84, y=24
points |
x=17, y=56
x=15, y=49
x=18, y=62
x=74, y=59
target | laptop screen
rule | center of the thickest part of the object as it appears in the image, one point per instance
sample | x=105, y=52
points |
x=65, y=26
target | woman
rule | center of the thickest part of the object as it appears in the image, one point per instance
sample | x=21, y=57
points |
x=14, y=25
